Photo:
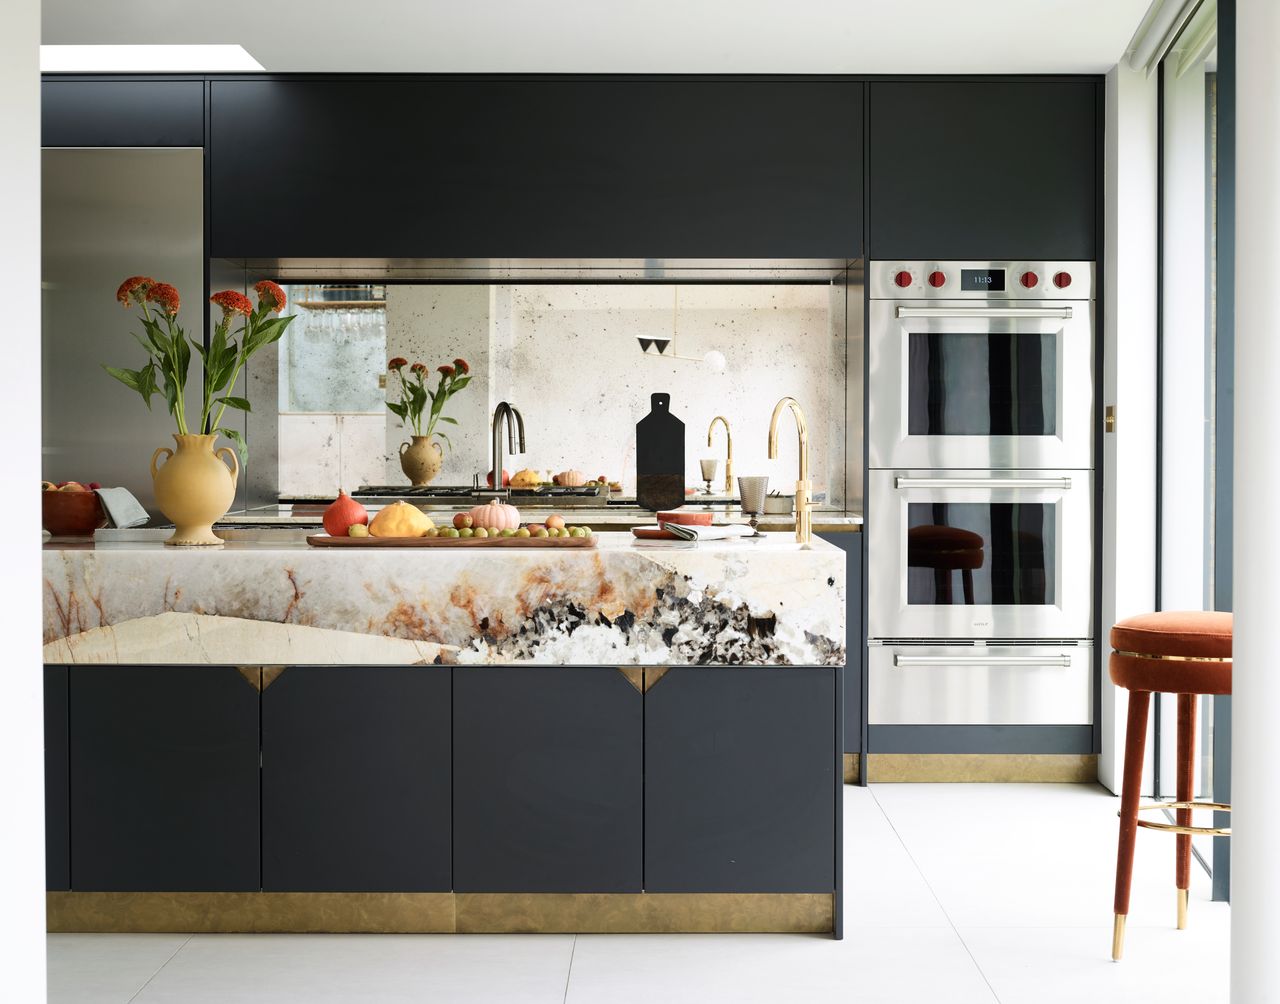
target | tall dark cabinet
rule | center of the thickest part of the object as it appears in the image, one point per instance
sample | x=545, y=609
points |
x=536, y=167
x=979, y=169
x=57, y=780
x=164, y=779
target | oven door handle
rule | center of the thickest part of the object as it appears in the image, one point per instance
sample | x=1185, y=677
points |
x=1060, y=484
x=993, y=312
x=908, y=661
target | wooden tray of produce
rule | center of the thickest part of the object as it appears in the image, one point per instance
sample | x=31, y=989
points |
x=324, y=540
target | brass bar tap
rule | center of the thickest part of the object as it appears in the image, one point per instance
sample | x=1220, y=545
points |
x=804, y=518
x=728, y=460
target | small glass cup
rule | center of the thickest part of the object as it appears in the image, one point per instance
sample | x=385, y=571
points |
x=709, y=467
x=753, y=491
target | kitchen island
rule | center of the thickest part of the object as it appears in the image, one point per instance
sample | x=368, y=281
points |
x=267, y=736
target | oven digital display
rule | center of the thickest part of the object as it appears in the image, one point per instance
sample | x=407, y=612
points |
x=982, y=279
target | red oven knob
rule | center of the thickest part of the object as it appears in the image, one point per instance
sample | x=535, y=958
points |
x=937, y=279
x=902, y=279
x=1062, y=280
x=1029, y=280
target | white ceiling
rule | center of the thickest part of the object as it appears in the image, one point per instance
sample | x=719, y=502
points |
x=641, y=36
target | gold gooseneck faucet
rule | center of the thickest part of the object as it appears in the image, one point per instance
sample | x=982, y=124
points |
x=804, y=519
x=728, y=460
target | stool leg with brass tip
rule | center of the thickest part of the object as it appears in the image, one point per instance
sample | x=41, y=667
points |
x=1135, y=743
x=1186, y=792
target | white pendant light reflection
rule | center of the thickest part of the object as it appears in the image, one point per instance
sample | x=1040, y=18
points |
x=664, y=347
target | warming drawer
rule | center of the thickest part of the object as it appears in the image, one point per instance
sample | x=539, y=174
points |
x=980, y=684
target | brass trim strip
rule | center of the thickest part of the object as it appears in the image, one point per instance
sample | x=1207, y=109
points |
x=1171, y=658
x=435, y=913
x=996, y=768
x=1206, y=831
x=852, y=768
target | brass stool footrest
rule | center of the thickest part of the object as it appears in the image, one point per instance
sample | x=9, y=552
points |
x=1206, y=831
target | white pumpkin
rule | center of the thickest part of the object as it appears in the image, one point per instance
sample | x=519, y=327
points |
x=495, y=515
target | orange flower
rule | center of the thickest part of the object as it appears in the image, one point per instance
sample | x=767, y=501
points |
x=134, y=288
x=418, y=368
x=271, y=294
x=232, y=302
x=399, y=362
x=166, y=296
x=446, y=370
x=462, y=366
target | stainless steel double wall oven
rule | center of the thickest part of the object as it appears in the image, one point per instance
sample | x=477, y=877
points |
x=980, y=493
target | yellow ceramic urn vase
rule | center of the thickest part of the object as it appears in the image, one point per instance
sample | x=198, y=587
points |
x=194, y=487
x=421, y=460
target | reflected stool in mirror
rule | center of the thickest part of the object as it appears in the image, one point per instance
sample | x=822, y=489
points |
x=1187, y=654
x=946, y=549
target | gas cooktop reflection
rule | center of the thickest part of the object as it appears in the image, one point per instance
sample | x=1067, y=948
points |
x=560, y=495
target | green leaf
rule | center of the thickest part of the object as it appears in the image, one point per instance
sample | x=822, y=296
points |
x=446, y=418
x=234, y=402
x=138, y=380
x=401, y=411
x=242, y=448
x=446, y=440
x=460, y=383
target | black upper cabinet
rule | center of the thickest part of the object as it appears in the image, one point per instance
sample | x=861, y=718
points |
x=355, y=779
x=548, y=784
x=536, y=168
x=740, y=780
x=122, y=112
x=981, y=170
x=164, y=779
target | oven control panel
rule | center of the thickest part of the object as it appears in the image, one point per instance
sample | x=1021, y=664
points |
x=980, y=280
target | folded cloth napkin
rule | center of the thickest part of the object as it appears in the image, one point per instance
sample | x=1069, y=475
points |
x=123, y=510
x=687, y=532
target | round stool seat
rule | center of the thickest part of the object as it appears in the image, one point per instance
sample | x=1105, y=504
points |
x=944, y=547
x=1173, y=652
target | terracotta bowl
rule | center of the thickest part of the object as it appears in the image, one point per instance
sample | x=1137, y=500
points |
x=72, y=514
x=685, y=518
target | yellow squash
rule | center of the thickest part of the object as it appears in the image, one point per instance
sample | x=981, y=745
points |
x=400, y=519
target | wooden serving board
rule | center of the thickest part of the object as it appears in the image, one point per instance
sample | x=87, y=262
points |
x=324, y=540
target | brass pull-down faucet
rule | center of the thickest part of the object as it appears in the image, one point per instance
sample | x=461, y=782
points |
x=728, y=460
x=804, y=518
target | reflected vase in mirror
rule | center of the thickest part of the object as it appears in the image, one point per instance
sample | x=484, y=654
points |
x=421, y=460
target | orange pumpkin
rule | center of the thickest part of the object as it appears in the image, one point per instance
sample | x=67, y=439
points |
x=570, y=479
x=495, y=516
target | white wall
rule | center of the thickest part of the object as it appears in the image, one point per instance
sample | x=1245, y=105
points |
x=21, y=717
x=1129, y=376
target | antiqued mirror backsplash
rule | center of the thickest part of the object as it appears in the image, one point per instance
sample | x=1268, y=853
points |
x=580, y=361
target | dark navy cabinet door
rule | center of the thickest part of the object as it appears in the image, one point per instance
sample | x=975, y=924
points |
x=484, y=167
x=740, y=786
x=57, y=787
x=164, y=779
x=547, y=780
x=983, y=169
x=121, y=112
x=355, y=779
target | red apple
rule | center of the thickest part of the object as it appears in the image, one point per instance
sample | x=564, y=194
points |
x=506, y=478
x=94, y=486
x=533, y=528
x=554, y=521
x=461, y=520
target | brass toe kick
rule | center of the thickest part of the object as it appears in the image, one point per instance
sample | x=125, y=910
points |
x=439, y=913
x=1117, y=938
x=1182, y=909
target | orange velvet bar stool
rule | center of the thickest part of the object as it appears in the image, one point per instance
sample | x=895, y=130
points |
x=1172, y=653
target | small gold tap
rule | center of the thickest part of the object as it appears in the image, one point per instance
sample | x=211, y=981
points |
x=728, y=460
x=804, y=518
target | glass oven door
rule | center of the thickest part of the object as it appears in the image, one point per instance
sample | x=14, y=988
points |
x=955, y=384
x=980, y=554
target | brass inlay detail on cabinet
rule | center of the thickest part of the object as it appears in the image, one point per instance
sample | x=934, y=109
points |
x=260, y=677
x=645, y=912
x=635, y=676
x=652, y=674
x=269, y=674
x=971, y=767
x=437, y=912
x=227, y=912
x=852, y=768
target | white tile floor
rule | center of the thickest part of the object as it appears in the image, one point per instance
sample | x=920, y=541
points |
x=955, y=893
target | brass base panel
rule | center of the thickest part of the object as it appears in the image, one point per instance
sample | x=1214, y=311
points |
x=852, y=768
x=981, y=767
x=438, y=913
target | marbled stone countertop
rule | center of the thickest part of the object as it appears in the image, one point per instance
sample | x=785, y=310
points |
x=266, y=597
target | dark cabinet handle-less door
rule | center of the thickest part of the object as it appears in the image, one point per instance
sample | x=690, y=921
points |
x=739, y=780
x=355, y=779
x=164, y=779
x=547, y=780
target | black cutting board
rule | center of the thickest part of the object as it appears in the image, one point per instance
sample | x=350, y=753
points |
x=660, y=457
